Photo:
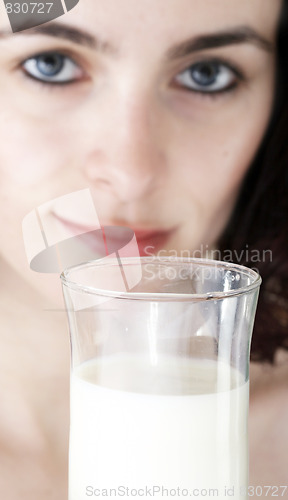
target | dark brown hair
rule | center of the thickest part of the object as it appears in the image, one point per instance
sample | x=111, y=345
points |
x=260, y=219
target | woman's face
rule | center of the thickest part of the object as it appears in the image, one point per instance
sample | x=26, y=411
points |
x=157, y=106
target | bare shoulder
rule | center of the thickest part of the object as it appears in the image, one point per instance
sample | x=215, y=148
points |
x=31, y=476
x=268, y=426
x=265, y=377
x=33, y=452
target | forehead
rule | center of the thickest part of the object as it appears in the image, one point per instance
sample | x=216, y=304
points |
x=173, y=17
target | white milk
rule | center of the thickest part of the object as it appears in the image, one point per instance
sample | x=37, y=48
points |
x=172, y=425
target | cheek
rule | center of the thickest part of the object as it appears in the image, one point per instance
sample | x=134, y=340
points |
x=32, y=171
x=30, y=151
x=213, y=161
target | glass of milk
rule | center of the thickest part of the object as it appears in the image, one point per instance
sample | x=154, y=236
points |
x=159, y=377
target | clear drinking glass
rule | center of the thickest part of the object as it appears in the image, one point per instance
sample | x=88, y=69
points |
x=159, y=377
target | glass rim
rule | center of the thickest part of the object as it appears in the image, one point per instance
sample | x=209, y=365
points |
x=159, y=296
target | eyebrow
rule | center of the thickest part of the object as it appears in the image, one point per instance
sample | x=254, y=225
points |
x=66, y=32
x=234, y=36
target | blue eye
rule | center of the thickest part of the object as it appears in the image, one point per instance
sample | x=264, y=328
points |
x=207, y=77
x=52, y=68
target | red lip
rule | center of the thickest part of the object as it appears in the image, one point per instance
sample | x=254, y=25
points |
x=149, y=240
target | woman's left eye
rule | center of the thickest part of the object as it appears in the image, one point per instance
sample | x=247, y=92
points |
x=208, y=77
x=52, y=68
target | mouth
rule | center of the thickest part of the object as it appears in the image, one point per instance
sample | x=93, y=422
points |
x=109, y=237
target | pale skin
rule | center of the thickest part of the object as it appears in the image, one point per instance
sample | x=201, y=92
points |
x=158, y=152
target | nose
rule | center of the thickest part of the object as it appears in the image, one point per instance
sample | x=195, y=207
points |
x=126, y=156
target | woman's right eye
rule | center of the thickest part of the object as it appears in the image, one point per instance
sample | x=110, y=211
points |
x=52, y=68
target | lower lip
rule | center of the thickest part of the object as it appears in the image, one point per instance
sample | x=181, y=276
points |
x=148, y=245
x=148, y=242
